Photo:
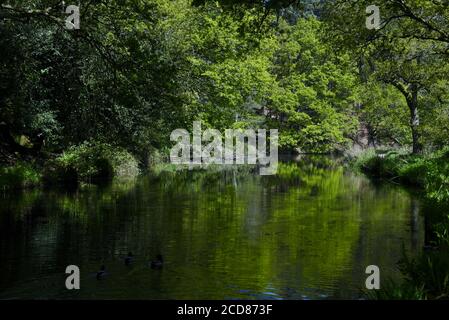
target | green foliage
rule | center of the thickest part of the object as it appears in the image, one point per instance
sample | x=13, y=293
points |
x=429, y=272
x=91, y=162
x=385, y=165
x=391, y=290
x=171, y=63
x=139, y=69
x=21, y=175
x=437, y=182
x=384, y=113
x=425, y=277
x=414, y=172
x=430, y=171
x=442, y=232
x=312, y=96
x=407, y=52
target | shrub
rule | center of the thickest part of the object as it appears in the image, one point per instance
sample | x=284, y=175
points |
x=363, y=158
x=21, y=175
x=414, y=173
x=91, y=162
x=380, y=165
x=437, y=183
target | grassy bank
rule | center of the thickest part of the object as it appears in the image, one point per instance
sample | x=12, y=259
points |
x=427, y=276
x=429, y=172
x=86, y=163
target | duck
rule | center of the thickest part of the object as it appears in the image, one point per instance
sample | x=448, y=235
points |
x=158, y=263
x=129, y=259
x=101, y=273
x=430, y=248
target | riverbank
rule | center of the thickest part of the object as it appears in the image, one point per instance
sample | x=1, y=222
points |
x=426, y=277
x=429, y=172
x=89, y=163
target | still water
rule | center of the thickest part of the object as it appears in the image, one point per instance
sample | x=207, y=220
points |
x=307, y=233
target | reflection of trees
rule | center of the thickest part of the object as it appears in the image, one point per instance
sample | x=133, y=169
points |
x=48, y=227
x=274, y=229
x=226, y=229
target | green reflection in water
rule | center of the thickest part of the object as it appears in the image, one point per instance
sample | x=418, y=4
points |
x=308, y=232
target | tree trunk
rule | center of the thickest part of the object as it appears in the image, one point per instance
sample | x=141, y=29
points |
x=412, y=103
x=410, y=93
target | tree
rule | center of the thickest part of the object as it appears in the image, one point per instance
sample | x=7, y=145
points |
x=315, y=90
x=411, y=63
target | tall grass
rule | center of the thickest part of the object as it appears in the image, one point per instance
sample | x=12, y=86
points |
x=429, y=172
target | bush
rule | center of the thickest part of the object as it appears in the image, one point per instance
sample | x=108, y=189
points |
x=92, y=163
x=21, y=175
x=414, y=173
x=361, y=161
x=384, y=165
x=437, y=182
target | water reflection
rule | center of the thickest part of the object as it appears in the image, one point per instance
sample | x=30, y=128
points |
x=306, y=233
